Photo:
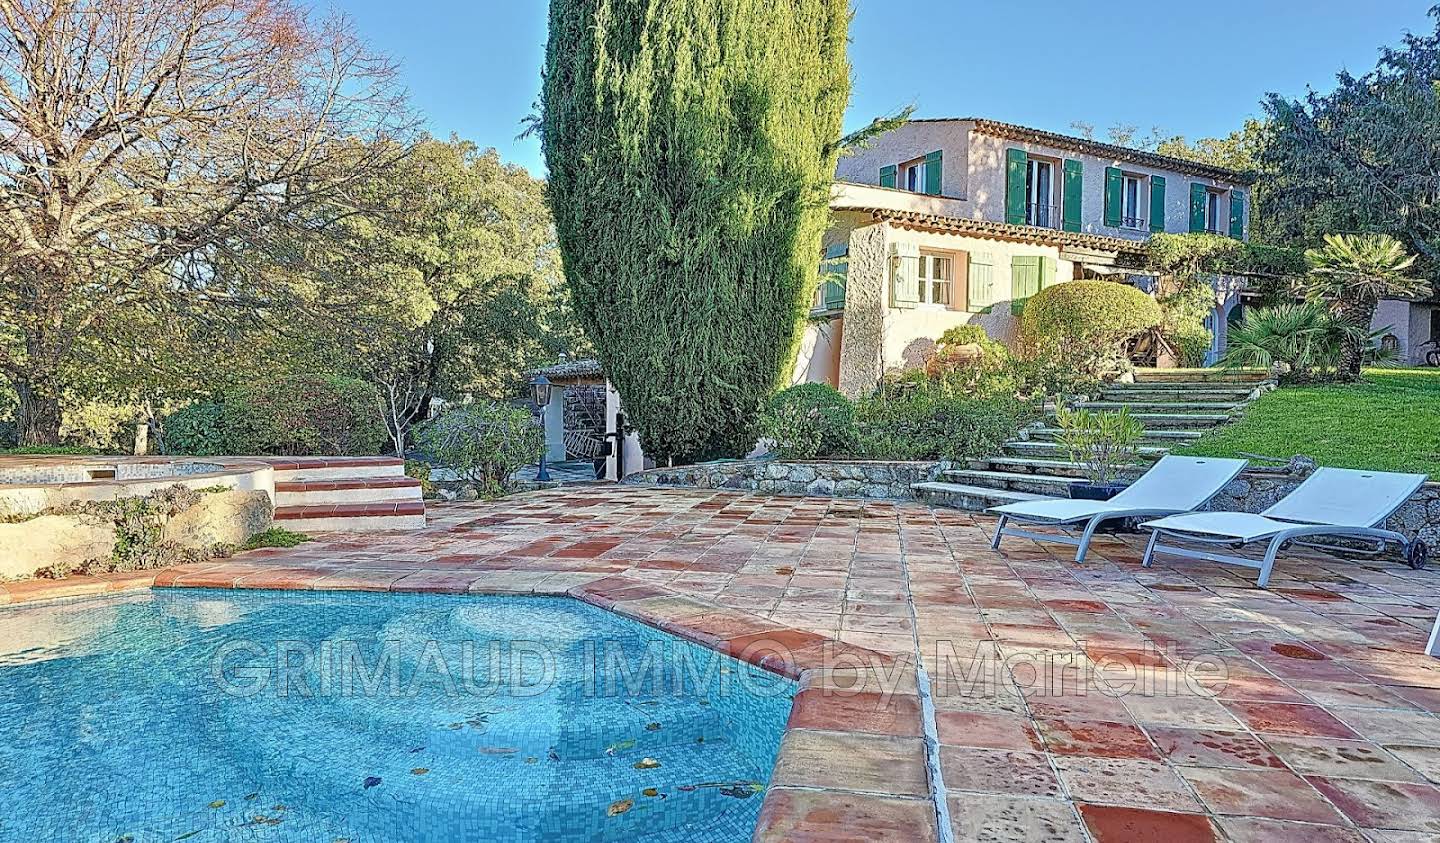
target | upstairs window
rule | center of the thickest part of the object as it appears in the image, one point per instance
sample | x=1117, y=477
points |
x=1132, y=192
x=912, y=176
x=1040, y=206
x=1213, y=223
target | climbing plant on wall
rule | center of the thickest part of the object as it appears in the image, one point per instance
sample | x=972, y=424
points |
x=690, y=145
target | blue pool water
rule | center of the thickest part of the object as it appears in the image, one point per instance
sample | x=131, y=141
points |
x=291, y=716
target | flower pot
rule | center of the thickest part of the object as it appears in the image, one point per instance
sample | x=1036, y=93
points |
x=1095, y=492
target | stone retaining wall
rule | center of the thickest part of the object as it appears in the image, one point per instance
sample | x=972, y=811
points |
x=839, y=479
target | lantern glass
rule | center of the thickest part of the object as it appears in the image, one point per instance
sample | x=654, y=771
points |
x=541, y=385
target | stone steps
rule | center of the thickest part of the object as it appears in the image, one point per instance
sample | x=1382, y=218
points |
x=967, y=497
x=350, y=494
x=1192, y=396
x=1154, y=437
x=1200, y=375
x=1051, y=450
x=1201, y=408
x=1049, y=485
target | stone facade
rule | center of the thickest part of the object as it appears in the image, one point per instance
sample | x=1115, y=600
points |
x=28, y=546
x=221, y=518
x=873, y=480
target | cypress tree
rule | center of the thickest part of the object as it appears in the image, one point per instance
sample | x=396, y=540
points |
x=691, y=145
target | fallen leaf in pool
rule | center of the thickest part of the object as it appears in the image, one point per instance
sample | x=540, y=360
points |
x=646, y=764
x=278, y=808
x=420, y=771
x=650, y=791
x=618, y=808
x=652, y=727
x=251, y=797
x=416, y=749
x=218, y=803
x=498, y=750
x=738, y=792
x=620, y=746
x=553, y=756
x=532, y=760
x=371, y=781
x=687, y=788
x=187, y=835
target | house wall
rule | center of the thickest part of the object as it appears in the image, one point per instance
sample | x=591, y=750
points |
x=973, y=175
x=1409, y=322
x=819, y=358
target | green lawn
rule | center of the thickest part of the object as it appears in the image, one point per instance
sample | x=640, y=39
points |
x=1389, y=423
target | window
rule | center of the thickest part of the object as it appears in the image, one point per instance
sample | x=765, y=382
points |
x=1131, y=193
x=1212, y=212
x=834, y=270
x=913, y=176
x=936, y=278
x=1040, y=194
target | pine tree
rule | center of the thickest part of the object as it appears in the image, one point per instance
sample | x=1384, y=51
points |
x=690, y=146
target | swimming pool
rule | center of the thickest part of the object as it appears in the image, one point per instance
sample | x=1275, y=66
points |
x=302, y=716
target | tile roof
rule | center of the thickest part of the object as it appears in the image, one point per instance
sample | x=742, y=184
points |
x=1011, y=131
x=587, y=369
x=1006, y=231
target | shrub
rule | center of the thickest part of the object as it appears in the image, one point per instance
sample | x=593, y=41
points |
x=420, y=470
x=926, y=424
x=302, y=414
x=968, y=362
x=1085, y=323
x=1105, y=443
x=1182, y=323
x=195, y=430
x=484, y=443
x=809, y=420
x=275, y=537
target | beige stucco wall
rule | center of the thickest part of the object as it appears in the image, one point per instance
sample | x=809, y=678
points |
x=973, y=177
x=1409, y=322
x=818, y=360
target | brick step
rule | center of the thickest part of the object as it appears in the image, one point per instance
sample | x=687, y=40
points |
x=1202, y=408
x=1161, y=421
x=358, y=490
x=352, y=517
x=1050, y=450
x=1203, y=375
x=1050, y=485
x=299, y=469
x=966, y=497
x=1152, y=436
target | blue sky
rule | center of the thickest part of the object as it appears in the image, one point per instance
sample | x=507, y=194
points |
x=1196, y=69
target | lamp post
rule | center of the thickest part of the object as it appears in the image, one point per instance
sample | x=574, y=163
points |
x=541, y=387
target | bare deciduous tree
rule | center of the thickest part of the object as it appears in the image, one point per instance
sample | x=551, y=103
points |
x=142, y=143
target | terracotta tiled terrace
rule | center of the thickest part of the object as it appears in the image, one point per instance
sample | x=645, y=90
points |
x=1101, y=702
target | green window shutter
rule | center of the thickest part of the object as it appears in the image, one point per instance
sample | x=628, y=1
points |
x=1024, y=280
x=980, y=285
x=1237, y=215
x=1197, y=207
x=1048, y=268
x=1016, y=163
x=1114, y=182
x=834, y=272
x=904, y=275
x=1157, y=203
x=1073, y=195
x=933, y=169
x=887, y=175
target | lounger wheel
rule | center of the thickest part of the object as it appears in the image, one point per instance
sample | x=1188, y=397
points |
x=1417, y=554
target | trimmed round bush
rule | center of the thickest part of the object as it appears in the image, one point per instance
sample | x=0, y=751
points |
x=483, y=442
x=809, y=420
x=196, y=430
x=304, y=414
x=1102, y=312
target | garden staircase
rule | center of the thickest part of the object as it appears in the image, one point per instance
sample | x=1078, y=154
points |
x=346, y=494
x=1177, y=406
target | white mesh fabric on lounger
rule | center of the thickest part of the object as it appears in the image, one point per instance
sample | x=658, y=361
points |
x=1174, y=484
x=1331, y=502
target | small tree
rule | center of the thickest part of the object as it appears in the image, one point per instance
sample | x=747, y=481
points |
x=484, y=443
x=1351, y=274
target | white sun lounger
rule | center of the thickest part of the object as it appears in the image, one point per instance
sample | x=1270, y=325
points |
x=1331, y=502
x=1174, y=484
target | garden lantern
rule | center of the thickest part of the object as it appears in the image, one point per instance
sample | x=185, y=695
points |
x=541, y=387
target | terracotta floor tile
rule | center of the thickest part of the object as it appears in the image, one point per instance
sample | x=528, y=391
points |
x=827, y=816
x=985, y=730
x=1213, y=748
x=852, y=761
x=1007, y=819
x=1277, y=794
x=1286, y=719
x=1125, y=782
x=874, y=713
x=1256, y=830
x=998, y=771
x=1096, y=738
x=1183, y=711
x=1342, y=759
x=1423, y=759
x=1110, y=824
x=1371, y=804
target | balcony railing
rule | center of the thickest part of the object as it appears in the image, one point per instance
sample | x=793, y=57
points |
x=1044, y=216
x=1133, y=223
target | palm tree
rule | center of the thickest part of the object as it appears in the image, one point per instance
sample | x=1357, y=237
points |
x=1352, y=273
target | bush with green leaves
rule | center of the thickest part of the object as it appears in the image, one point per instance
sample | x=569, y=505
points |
x=304, y=413
x=926, y=423
x=484, y=443
x=1303, y=340
x=968, y=362
x=1087, y=323
x=809, y=420
x=196, y=430
x=1182, y=324
x=1104, y=443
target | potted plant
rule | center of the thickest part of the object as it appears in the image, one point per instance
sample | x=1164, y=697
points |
x=1104, y=444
